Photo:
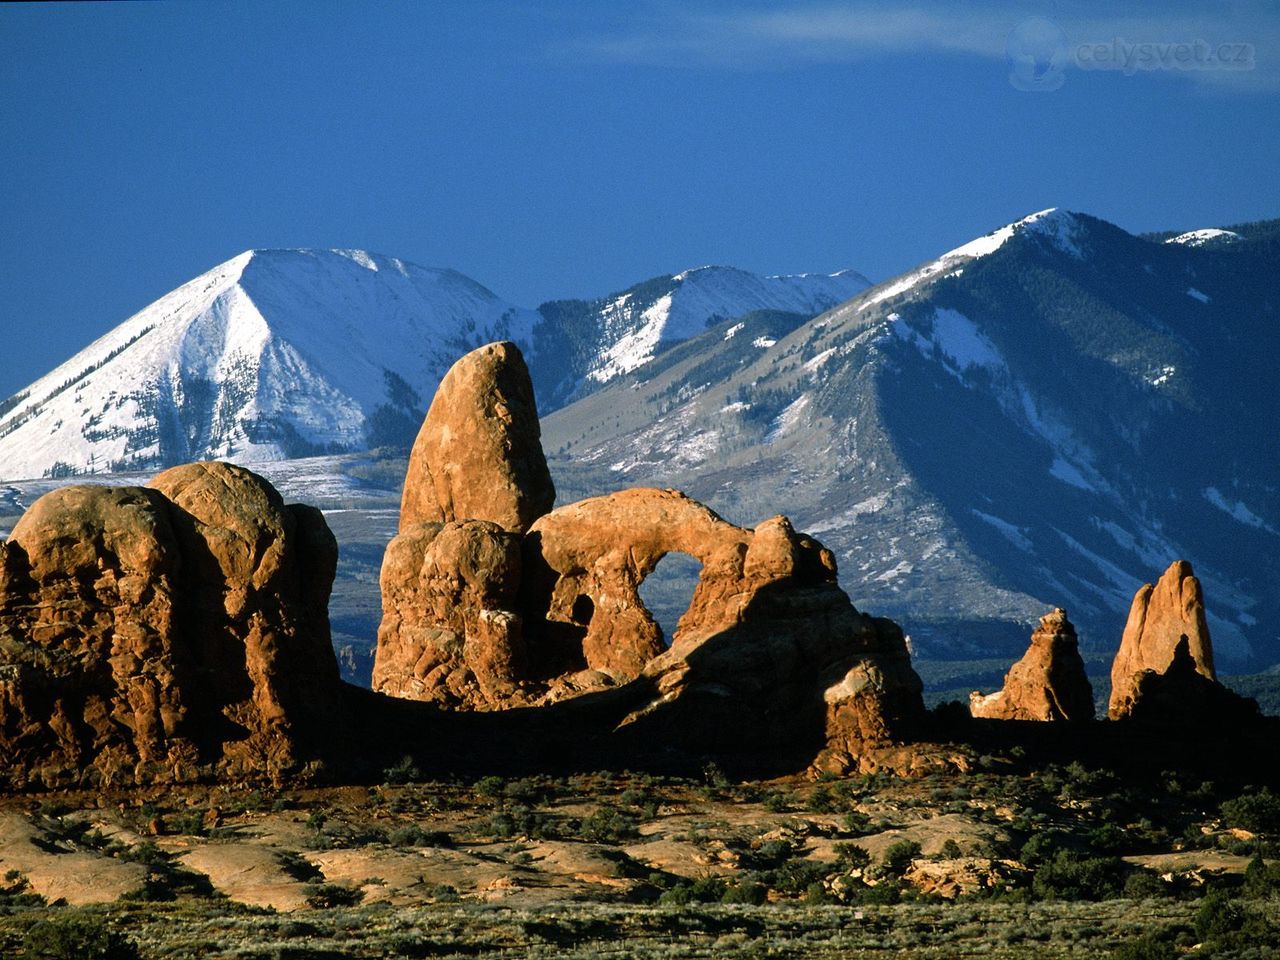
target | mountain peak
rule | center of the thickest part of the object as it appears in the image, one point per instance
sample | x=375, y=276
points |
x=1060, y=226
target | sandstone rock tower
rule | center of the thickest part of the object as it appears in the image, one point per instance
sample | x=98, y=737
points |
x=1162, y=615
x=1048, y=683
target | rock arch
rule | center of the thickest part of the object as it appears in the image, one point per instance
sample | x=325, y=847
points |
x=602, y=549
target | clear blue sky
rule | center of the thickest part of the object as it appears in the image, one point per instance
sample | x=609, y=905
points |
x=569, y=149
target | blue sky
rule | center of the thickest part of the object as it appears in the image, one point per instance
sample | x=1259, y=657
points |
x=563, y=149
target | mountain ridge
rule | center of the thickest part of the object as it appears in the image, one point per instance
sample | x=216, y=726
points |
x=1038, y=418
x=292, y=352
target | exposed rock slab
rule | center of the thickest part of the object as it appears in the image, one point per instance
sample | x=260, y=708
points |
x=1048, y=683
x=1162, y=615
x=163, y=633
x=478, y=455
x=248, y=874
x=76, y=876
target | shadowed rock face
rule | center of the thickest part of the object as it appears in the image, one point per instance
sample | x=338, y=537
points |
x=164, y=633
x=476, y=616
x=479, y=455
x=1048, y=683
x=1161, y=616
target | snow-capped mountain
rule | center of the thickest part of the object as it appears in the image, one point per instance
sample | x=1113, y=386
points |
x=584, y=344
x=1047, y=415
x=285, y=353
x=275, y=353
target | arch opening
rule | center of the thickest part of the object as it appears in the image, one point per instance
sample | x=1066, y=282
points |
x=668, y=591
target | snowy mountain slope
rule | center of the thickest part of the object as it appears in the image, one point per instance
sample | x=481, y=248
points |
x=285, y=353
x=1047, y=415
x=583, y=344
x=272, y=354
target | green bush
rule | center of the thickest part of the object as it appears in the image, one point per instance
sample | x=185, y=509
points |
x=1144, y=885
x=851, y=856
x=882, y=894
x=323, y=896
x=1072, y=876
x=745, y=891
x=1256, y=812
x=404, y=771
x=897, y=859
x=76, y=938
x=413, y=835
x=1218, y=915
x=677, y=896
x=857, y=823
x=1041, y=847
x=1261, y=879
x=609, y=825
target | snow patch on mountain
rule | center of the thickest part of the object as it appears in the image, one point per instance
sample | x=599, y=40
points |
x=1198, y=238
x=788, y=419
x=1006, y=529
x=1235, y=509
x=702, y=297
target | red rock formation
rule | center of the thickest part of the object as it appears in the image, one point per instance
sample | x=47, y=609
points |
x=770, y=651
x=449, y=631
x=478, y=455
x=1048, y=683
x=162, y=634
x=1161, y=615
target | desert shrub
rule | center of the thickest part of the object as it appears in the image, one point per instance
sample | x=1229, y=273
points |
x=1256, y=812
x=413, y=835
x=609, y=825
x=1150, y=946
x=898, y=857
x=401, y=772
x=796, y=876
x=1073, y=876
x=1261, y=879
x=821, y=800
x=1219, y=914
x=1144, y=885
x=851, y=856
x=1041, y=847
x=324, y=896
x=856, y=823
x=298, y=867
x=677, y=896
x=76, y=938
x=519, y=821
x=772, y=853
x=816, y=892
x=775, y=801
x=188, y=823
x=882, y=894
x=745, y=891
x=1109, y=838
x=632, y=797
x=951, y=850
